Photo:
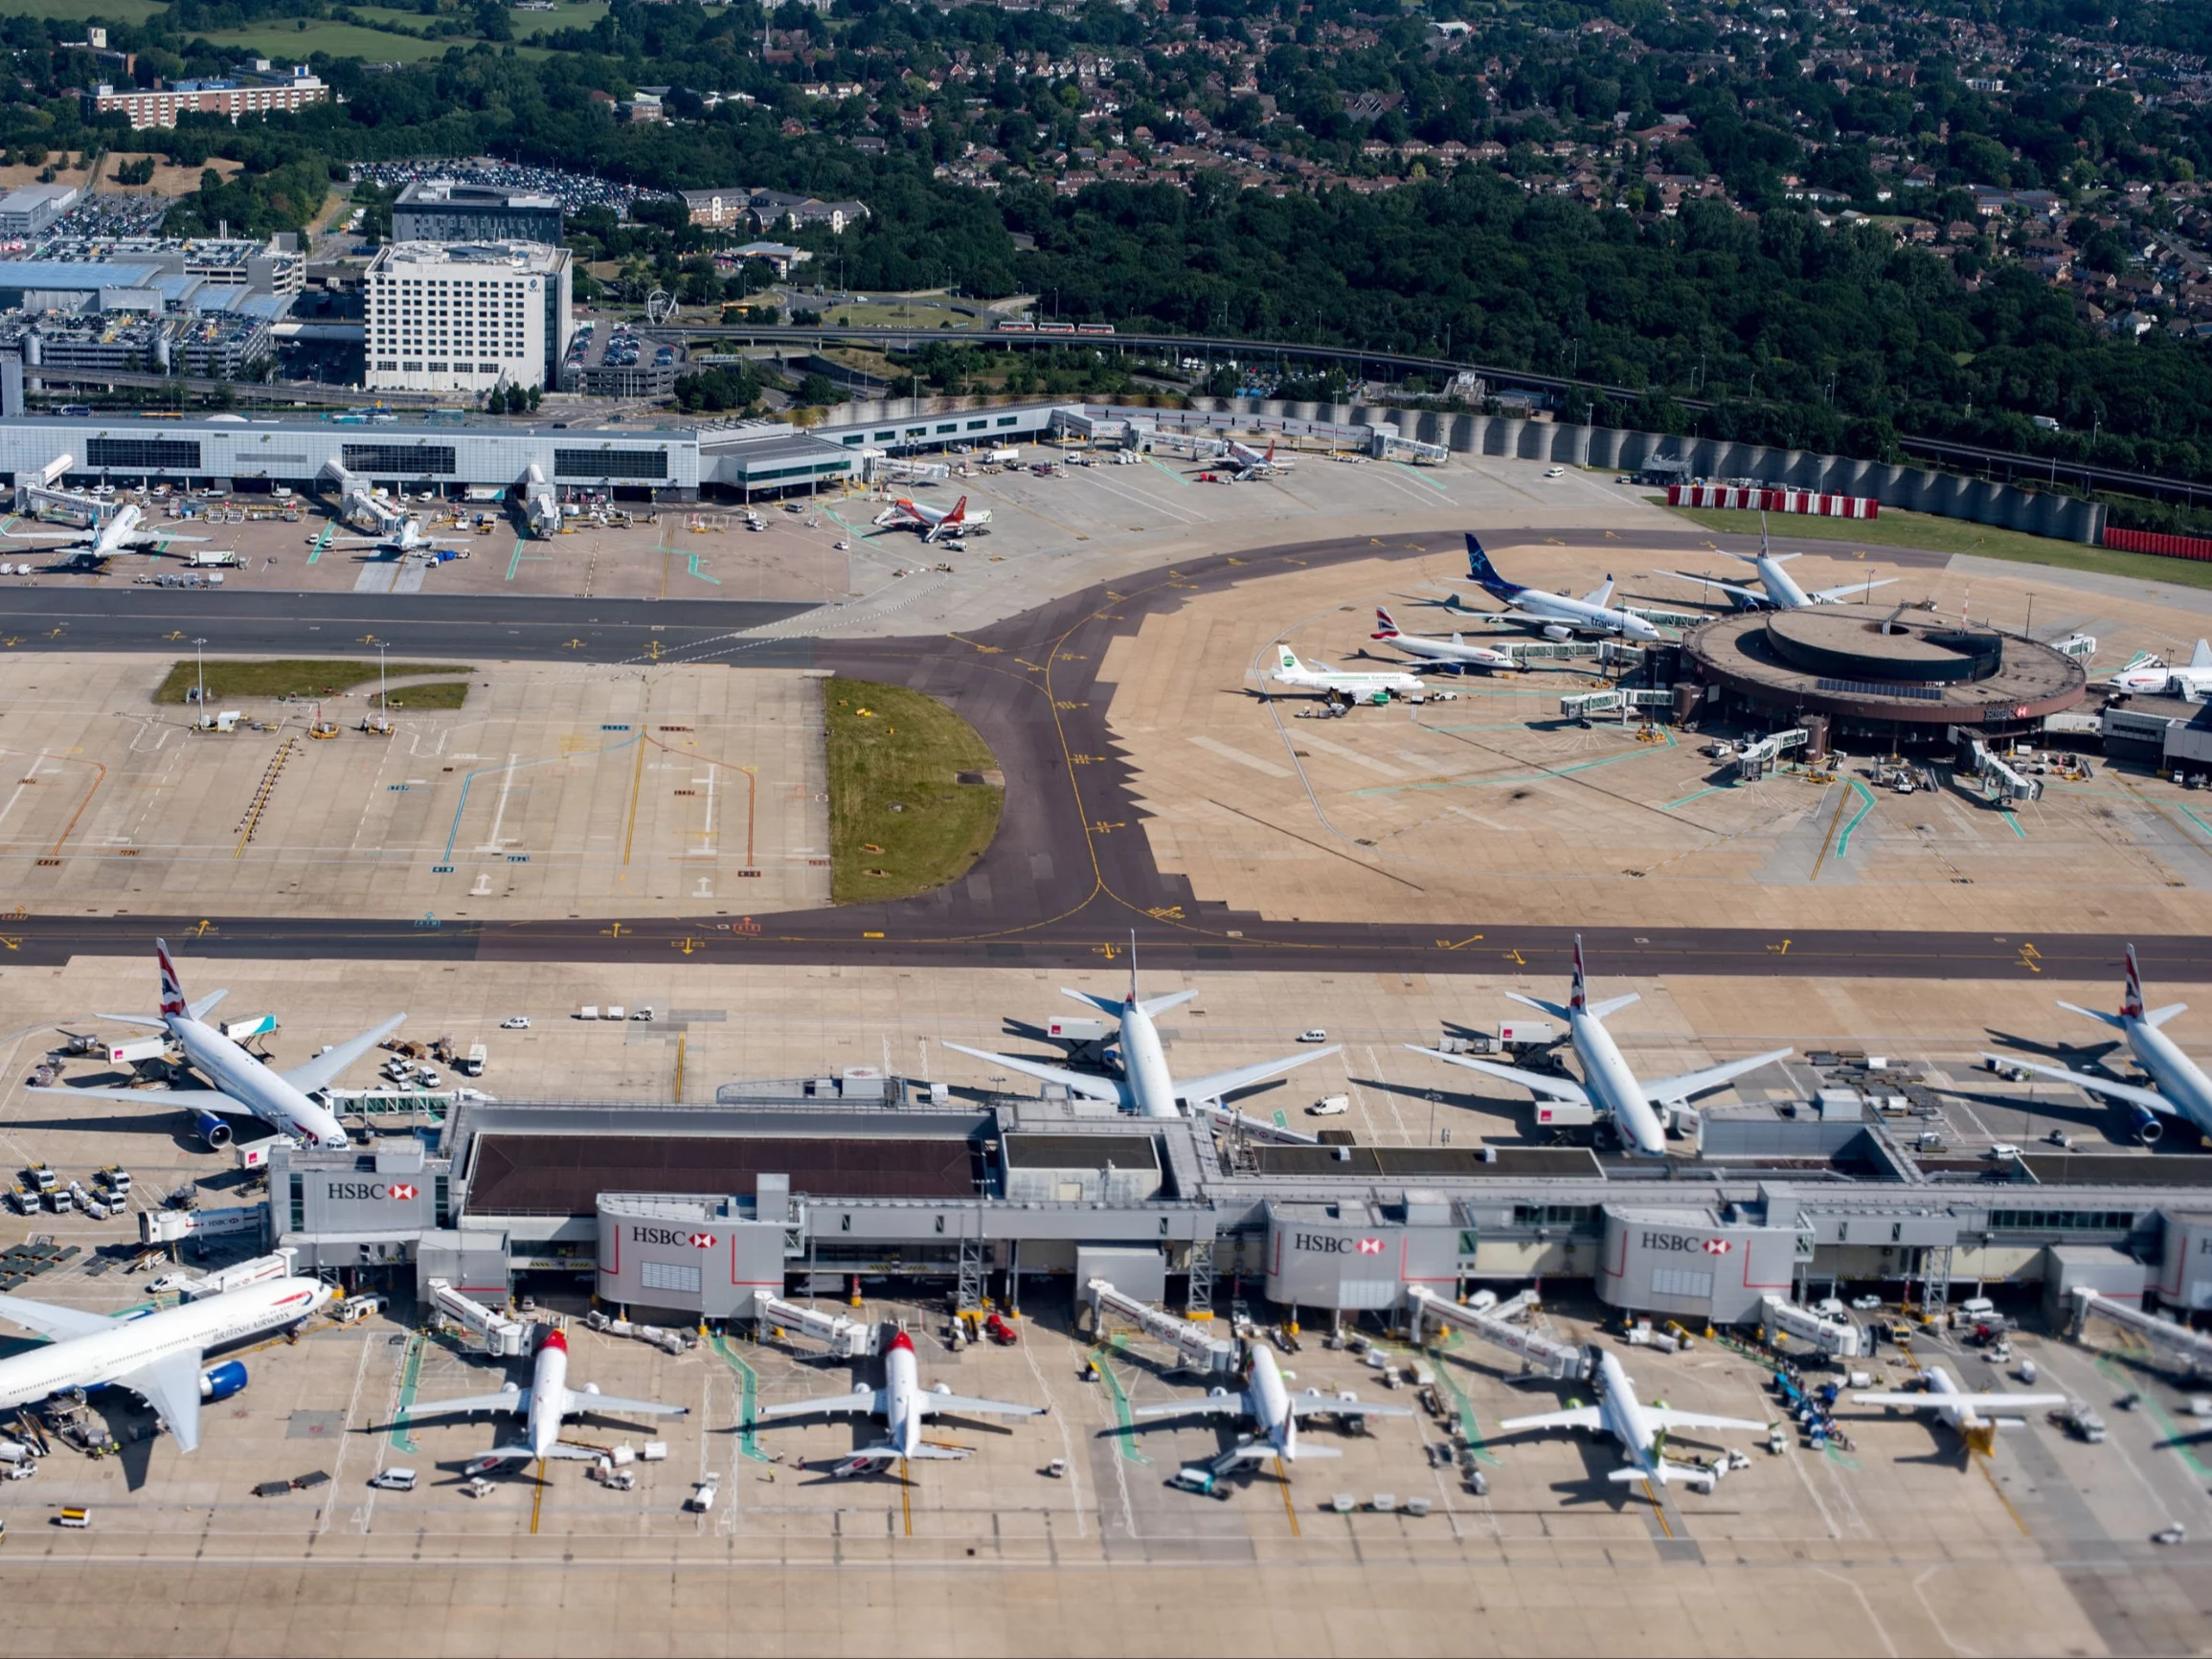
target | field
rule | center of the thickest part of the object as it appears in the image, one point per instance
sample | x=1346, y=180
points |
x=286, y=677
x=83, y=11
x=1941, y=535
x=900, y=821
x=338, y=40
x=437, y=694
x=910, y=316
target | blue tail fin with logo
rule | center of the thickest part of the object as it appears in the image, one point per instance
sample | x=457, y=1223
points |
x=1481, y=570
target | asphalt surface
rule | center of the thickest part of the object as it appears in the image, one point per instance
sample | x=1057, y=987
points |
x=1070, y=878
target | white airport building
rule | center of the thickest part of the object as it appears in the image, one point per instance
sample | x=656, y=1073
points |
x=466, y=317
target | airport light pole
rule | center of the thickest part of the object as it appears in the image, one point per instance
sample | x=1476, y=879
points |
x=383, y=692
x=199, y=657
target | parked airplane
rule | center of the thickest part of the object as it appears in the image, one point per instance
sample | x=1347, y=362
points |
x=1557, y=616
x=1639, y=1110
x=157, y=1356
x=1975, y=1417
x=543, y=1404
x=2184, y=1090
x=409, y=538
x=243, y=1085
x=1454, y=653
x=1273, y=1412
x=1638, y=1426
x=2152, y=674
x=1776, y=589
x=1353, y=684
x=1144, y=1085
x=1249, y=462
x=932, y=522
x=123, y=533
x=904, y=1405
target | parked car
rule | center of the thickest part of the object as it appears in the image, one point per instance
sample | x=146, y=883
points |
x=1315, y=1035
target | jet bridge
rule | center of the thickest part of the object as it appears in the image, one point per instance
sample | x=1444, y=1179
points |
x=41, y=488
x=1999, y=782
x=1754, y=760
x=2191, y=1349
x=1494, y=1323
x=504, y=1339
x=1194, y=1346
x=1838, y=1338
x=361, y=504
x=1582, y=704
x=1385, y=442
x=848, y=1338
x=541, y=508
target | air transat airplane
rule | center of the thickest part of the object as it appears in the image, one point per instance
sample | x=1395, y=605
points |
x=1975, y=1417
x=1638, y=1426
x=932, y=522
x=543, y=1404
x=904, y=1406
x=1250, y=462
x=2152, y=674
x=1555, y=615
x=1454, y=653
x=2184, y=1090
x=1358, y=685
x=1273, y=1412
x=123, y=533
x=157, y=1356
x=1777, y=590
x=1635, y=1107
x=243, y=1085
x=1144, y=1085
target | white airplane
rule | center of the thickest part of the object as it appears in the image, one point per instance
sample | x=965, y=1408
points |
x=1558, y=616
x=1776, y=589
x=243, y=1085
x=932, y=522
x=904, y=1406
x=1639, y=1110
x=157, y=1356
x=1145, y=1085
x=1975, y=1417
x=1273, y=1412
x=1638, y=1426
x=1454, y=653
x=409, y=538
x=543, y=1404
x=1354, y=685
x=2152, y=674
x=1250, y=462
x=2184, y=1090
x=123, y=533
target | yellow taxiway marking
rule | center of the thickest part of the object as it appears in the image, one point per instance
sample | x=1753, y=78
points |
x=537, y=1497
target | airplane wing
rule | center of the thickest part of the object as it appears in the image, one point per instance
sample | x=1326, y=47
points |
x=1221, y=1083
x=1311, y=1404
x=171, y=1386
x=1580, y=1417
x=616, y=1404
x=1553, y=1087
x=49, y=1321
x=1836, y=595
x=320, y=1072
x=2127, y=1091
x=1670, y=1090
x=1090, y=1087
x=935, y=1404
x=1206, y=1405
x=187, y=1099
x=1666, y=1417
x=1989, y=1404
x=1750, y=595
x=508, y=1398
x=862, y=1399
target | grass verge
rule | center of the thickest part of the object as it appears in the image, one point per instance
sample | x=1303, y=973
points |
x=1942, y=535
x=890, y=747
x=437, y=694
x=287, y=677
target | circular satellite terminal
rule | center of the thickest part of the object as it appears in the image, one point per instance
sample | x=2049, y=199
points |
x=1879, y=666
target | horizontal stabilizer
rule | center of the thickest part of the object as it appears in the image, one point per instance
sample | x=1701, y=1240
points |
x=201, y=1009
x=1558, y=1011
x=1611, y=1005
x=2159, y=1016
x=146, y=1021
x=1536, y=1082
x=1155, y=1007
x=2114, y=1020
x=1111, y=1006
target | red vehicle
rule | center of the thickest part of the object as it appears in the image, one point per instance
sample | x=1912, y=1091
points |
x=999, y=1331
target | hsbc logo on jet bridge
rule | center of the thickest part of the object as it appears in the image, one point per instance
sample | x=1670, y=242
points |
x=1683, y=1243
x=356, y=1190
x=671, y=1236
x=1329, y=1245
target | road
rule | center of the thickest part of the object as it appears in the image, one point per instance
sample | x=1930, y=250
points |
x=1068, y=878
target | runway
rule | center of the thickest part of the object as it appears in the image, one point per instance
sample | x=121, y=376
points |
x=1070, y=878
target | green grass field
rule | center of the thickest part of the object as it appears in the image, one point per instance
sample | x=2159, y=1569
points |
x=892, y=746
x=283, y=41
x=84, y=11
x=1941, y=535
x=432, y=695
x=290, y=677
x=897, y=317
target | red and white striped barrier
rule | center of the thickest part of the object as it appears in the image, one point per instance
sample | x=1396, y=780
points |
x=1742, y=498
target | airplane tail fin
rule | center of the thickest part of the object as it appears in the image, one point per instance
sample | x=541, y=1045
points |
x=1269, y=459
x=1385, y=628
x=1481, y=570
x=1601, y=594
x=1578, y=994
x=173, y=996
x=959, y=513
x=2132, y=999
x=1287, y=662
x=2202, y=657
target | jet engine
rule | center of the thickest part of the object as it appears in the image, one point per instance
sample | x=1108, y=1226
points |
x=2148, y=1127
x=222, y=1381
x=1554, y=630
x=213, y=1130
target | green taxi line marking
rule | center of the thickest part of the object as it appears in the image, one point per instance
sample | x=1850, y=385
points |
x=322, y=541
x=409, y=1377
x=1866, y=805
x=749, y=1386
x=1405, y=466
x=1126, y=1440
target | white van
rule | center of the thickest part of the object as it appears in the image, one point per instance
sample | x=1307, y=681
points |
x=393, y=1480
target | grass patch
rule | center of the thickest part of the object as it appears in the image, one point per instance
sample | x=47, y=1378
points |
x=85, y=11
x=892, y=746
x=286, y=677
x=1942, y=535
x=437, y=694
x=919, y=314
